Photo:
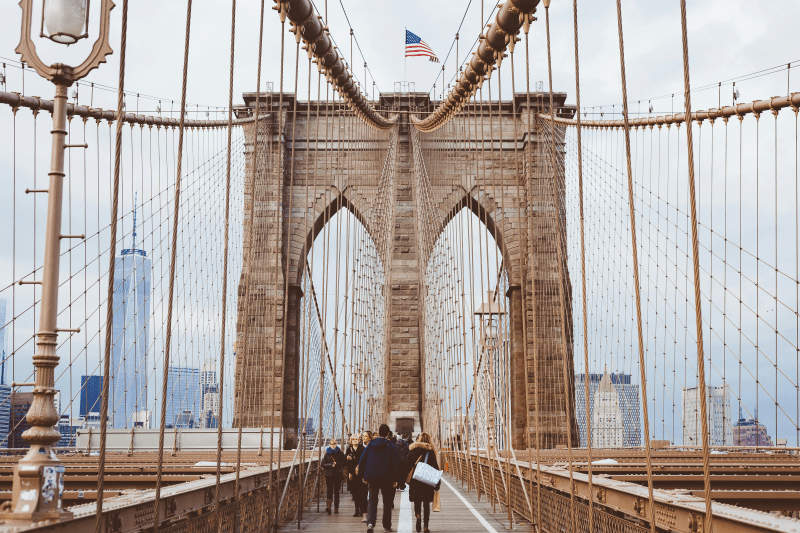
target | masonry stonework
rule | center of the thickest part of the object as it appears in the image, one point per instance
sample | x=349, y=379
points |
x=323, y=160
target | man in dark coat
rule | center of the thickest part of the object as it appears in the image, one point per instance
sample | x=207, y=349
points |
x=402, y=450
x=420, y=493
x=332, y=464
x=379, y=465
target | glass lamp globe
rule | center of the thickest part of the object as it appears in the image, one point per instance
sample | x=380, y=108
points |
x=490, y=330
x=65, y=19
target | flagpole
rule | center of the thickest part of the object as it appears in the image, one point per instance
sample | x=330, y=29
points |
x=405, y=56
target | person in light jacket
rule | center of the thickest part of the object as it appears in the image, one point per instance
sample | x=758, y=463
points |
x=332, y=464
x=418, y=492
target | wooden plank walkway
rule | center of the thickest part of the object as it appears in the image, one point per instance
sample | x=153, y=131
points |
x=461, y=513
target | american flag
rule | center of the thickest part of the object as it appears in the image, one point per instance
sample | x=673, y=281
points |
x=416, y=47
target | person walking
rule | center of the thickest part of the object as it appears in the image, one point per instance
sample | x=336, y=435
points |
x=332, y=464
x=355, y=483
x=418, y=492
x=366, y=438
x=402, y=452
x=380, y=466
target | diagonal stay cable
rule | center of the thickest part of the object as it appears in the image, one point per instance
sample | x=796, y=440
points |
x=477, y=39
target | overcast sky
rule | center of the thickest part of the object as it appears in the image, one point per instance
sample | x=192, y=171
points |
x=728, y=38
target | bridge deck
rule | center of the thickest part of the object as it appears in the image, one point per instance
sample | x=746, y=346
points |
x=461, y=512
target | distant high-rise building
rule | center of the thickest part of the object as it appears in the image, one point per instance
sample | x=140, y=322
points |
x=5, y=414
x=720, y=423
x=91, y=394
x=185, y=419
x=311, y=437
x=3, y=340
x=18, y=423
x=209, y=388
x=627, y=401
x=68, y=427
x=208, y=374
x=183, y=396
x=750, y=432
x=130, y=328
x=210, y=406
x=607, y=421
x=5, y=390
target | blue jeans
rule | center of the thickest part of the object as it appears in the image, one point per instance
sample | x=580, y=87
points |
x=387, y=488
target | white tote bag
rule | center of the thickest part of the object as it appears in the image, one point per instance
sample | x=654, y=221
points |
x=425, y=473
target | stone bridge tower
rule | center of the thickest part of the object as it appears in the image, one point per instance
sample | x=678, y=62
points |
x=315, y=167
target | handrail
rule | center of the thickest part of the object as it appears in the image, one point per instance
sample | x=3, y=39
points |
x=35, y=103
x=676, y=510
x=756, y=107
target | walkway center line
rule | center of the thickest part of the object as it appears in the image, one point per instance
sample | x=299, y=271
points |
x=477, y=514
x=406, y=516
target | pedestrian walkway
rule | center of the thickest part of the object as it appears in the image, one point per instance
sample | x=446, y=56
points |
x=461, y=513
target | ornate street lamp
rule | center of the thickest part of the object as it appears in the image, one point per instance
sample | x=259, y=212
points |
x=39, y=476
x=491, y=339
x=489, y=313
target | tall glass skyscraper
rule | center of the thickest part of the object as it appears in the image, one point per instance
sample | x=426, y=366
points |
x=183, y=397
x=131, y=325
x=91, y=394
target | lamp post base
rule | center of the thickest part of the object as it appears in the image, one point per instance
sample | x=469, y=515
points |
x=38, y=489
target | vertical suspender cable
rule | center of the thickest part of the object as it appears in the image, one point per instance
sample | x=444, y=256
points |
x=278, y=213
x=701, y=372
x=583, y=266
x=173, y=253
x=225, y=259
x=286, y=273
x=111, y=268
x=560, y=266
x=534, y=325
x=635, y=256
x=521, y=200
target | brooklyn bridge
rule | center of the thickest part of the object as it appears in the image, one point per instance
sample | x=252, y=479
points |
x=593, y=311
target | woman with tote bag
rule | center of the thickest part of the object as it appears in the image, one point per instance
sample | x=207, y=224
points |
x=419, y=490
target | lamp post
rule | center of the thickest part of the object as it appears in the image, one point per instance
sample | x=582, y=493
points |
x=491, y=339
x=39, y=476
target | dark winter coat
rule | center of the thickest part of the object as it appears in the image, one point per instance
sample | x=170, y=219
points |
x=380, y=461
x=332, y=462
x=402, y=450
x=417, y=490
x=353, y=456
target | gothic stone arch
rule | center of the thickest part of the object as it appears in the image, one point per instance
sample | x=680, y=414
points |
x=532, y=269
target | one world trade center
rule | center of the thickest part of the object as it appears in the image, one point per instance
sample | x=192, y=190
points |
x=130, y=337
